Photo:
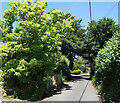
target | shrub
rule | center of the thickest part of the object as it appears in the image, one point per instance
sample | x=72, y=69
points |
x=107, y=75
x=81, y=67
x=76, y=72
x=79, y=63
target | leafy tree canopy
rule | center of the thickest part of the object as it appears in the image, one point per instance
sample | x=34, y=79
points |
x=97, y=34
x=32, y=46
x=72, y=43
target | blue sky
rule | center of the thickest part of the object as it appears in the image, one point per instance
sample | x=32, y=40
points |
x=80, y=10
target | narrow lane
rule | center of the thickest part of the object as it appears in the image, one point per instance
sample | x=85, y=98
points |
x=71, y=93
x=78, y=90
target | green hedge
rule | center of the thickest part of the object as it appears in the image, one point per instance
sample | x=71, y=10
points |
x=76, y=72
x=107, y=75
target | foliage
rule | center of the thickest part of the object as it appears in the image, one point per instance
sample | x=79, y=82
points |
x=79, y=63
x=88, y=68
x=71, y=44
x=64, y=79
x=32, y=47
x=76, y=71
x=97, y=34
x=63, y=63
x=107, y=75
x=1, y=26
x=82, y=67
x=80, y=60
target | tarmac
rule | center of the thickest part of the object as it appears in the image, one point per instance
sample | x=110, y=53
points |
x=80, y=90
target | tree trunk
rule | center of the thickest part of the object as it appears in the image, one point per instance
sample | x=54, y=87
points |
x=71, y=61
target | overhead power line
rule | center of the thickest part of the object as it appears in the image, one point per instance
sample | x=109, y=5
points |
x=111, y=9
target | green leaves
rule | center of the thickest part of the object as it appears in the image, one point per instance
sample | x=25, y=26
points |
x=108, y=69
x=98, y=33
x=63, y=63
x=32, y=48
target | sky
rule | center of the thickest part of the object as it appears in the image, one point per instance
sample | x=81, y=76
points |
x=78, y=9
x=81, y=10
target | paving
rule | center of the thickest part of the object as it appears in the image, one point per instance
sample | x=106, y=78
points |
x=78, y=90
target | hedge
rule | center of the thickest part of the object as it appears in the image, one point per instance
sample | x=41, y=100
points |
x=107, y=75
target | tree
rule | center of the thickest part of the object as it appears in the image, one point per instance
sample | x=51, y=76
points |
x=1, y=24
x=97, y=35
x=32, y=47
x=71, y=43
x=72, y=37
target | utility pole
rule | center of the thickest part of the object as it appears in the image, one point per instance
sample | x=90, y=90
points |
x=91, y=63
x=90, y=10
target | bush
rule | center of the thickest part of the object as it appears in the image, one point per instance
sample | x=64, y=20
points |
x=79, y=63
x=88, y=68
x=107, y=75
x=81, y=67
x=76, y=72
x=64, y=78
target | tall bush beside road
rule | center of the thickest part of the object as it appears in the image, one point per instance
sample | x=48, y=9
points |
x=107, y=75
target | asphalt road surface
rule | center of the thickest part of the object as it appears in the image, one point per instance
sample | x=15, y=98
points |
x=77, y=91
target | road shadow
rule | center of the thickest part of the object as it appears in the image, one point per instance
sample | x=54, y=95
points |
x=60, y=89
x=73, y=79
